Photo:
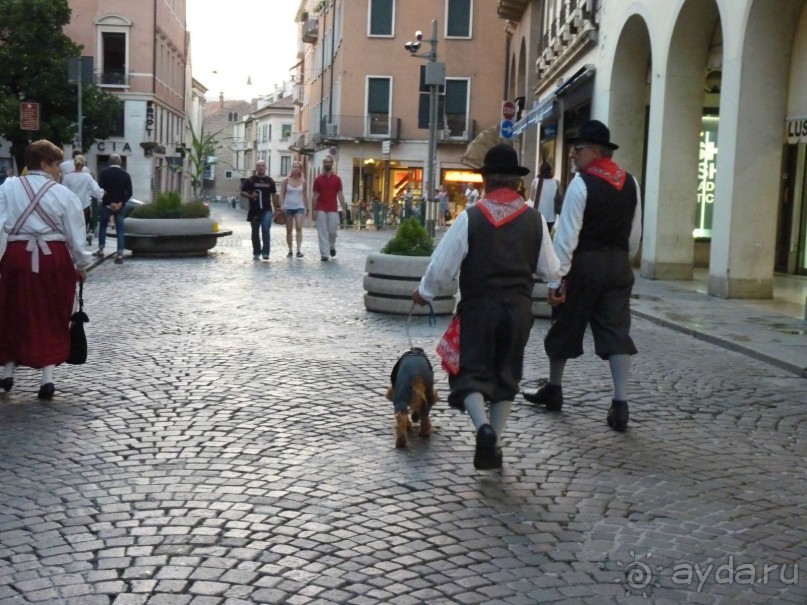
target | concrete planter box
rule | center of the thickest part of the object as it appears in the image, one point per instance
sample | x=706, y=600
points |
x=390, y=280
x=172, y=236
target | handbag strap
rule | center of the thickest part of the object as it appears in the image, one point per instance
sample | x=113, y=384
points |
x=538, y=191
x=80, y=296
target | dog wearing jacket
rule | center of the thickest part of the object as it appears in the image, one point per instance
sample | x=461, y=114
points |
x=412, y=389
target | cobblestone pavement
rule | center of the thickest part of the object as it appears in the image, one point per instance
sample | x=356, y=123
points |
x=228, y=442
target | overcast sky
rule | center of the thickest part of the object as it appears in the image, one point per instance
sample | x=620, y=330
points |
x=238, y=39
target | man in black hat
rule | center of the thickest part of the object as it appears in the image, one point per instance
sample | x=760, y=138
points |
x=596, y=235
x=496, y=247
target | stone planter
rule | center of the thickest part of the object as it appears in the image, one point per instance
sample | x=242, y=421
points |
x=390, y=280
x=172, y=236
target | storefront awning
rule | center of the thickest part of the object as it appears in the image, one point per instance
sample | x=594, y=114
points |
x=544, y=110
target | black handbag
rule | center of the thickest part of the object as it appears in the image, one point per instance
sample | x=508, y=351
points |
x=78, y=339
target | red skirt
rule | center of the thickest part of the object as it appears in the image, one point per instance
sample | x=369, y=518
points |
x=35, y=308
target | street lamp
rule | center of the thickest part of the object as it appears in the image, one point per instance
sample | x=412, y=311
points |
x=435, y=77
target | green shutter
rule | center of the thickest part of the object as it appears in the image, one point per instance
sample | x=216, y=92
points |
x=378, y=95
x=456, y=97
x=459, y=18
x=381, y=17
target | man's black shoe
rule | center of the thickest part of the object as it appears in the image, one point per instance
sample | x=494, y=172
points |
x=618, y=415
x=46, y=391
x=550, y=395
x=485, y=456
x=7, y=383
x=333, y=251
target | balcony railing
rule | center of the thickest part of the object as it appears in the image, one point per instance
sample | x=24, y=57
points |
x=574, y=25
x=373, y=126
x=457, y=130
x=112, y=77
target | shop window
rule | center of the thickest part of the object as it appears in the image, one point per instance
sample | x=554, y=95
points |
x=459, y=18
x=381, y=17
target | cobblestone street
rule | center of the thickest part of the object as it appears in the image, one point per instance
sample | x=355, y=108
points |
x=228, y=442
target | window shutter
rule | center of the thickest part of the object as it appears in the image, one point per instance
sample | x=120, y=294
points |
x=459, y=18
x=381, y=17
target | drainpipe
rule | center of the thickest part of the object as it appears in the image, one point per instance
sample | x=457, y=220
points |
x=333, y=53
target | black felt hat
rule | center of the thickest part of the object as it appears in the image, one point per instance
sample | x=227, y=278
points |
x=502, y=159
x=595, y=132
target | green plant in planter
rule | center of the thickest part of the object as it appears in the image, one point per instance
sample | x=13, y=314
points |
x=411, y=239
x=169, y=205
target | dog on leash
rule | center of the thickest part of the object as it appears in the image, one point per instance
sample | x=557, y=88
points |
x=412, y=389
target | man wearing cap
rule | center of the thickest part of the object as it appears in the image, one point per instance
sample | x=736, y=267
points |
x=496, y=247
x=596, y=236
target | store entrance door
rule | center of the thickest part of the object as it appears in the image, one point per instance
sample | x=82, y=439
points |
x=791, y=225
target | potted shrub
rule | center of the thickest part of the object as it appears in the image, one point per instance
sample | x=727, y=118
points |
x=169, y=226
x=394, y=272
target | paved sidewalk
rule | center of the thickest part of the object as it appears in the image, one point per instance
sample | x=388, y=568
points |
x=228, y=443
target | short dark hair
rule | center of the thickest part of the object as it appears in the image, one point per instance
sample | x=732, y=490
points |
x=545, y=171
x=499, y=181
x=41, y=151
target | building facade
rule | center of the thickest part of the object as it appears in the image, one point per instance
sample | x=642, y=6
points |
x=226, y=119
x=361, y=97
x=140, y=53
x=708, y=102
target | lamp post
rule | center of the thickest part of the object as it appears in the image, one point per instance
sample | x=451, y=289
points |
x=435, y=77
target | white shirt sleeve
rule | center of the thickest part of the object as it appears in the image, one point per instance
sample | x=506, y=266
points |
x=636, y=227
x=548, y=267
x=446, y=259
x=568, y=225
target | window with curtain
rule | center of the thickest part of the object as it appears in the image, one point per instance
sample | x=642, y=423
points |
x=458, y=18
x=381, y=15
x=456, y=107
x=378, y=105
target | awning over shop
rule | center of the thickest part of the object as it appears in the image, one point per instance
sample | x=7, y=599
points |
x=545, y=109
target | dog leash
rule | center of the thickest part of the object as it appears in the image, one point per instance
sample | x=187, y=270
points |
x=432, y=321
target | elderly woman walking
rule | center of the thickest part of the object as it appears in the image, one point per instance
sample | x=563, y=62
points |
x=42, y=262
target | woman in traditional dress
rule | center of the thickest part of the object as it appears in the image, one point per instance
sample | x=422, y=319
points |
x=43, y=259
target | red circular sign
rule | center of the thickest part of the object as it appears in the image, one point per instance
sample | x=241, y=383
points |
x=508, y=110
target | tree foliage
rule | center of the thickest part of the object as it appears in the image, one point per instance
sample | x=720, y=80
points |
x=33, y=67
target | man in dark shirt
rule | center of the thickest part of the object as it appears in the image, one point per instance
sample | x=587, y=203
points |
x=117, y=186
x=261, y=192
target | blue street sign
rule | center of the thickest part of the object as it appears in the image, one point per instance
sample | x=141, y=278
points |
x=507, y=129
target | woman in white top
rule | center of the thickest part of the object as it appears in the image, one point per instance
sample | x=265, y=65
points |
x=39, y=267
x=549, y=188
x=85, y=187
x=294, y=201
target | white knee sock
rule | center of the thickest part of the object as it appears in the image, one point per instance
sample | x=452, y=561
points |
x=620, y=372
x=47, y=374
x=475, y=406
x=8, y=369
x=499, y=412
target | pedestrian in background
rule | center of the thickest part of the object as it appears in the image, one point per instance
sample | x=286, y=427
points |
x=471, y=195
x=294, y=201
x=85, y=187
x=543, y=193
x=69, y=166
x=261, y=192
x=43, y=260
x=496, y=247
x=596, y=236
x=325, y=212
x=117, y=186
x=442, y=208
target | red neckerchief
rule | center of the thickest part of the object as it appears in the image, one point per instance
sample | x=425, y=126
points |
x=502, y=206
x=607, y=170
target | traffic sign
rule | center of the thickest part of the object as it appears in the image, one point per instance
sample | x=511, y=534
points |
x=507, y=129
x=508, y=110
x=29, y=116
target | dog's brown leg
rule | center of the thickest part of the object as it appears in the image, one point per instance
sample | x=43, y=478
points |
x=425, y=426
x=402, y=426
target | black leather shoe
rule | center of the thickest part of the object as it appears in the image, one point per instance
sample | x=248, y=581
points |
x=550, y=395
x=46, y=391
x=485, y=455
x=7, y=383
x=618, y=415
